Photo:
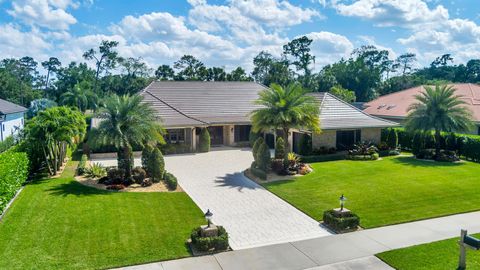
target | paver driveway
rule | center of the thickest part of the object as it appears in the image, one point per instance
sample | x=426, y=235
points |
x=252, y=215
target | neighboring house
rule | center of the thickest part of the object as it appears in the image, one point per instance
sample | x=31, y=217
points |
x=224, y=108
x=11, y=119
x=394, y=107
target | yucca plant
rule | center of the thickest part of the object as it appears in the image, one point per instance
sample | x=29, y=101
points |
x=96, y=170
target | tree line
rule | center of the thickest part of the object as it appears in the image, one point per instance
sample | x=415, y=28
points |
x=367, y=73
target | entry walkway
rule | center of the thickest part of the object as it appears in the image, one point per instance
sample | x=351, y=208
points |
x=345, y=251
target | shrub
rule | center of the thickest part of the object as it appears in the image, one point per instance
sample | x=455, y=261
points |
x=277, y=166
x=82, y=164
x=175, y=148
x=263, y=157
x=417, y=143
x=13, y=173
x=451, y=142
x=170, y=181
x=96, y=170
x=257, y=145
x=323, y=150
x=374, y=156
x=146, y=156
x=293, y=159
x=6, y=144
x=115, y=176
x=138, y=175
x=426, y=154
x=146, y=182
x=305, y=145
x=322, y=158
x=363, y=148
x=252, y=137
x=279, y=148
x=392, y=139
x=341, y=223
x=204, y=140
x=156, y=166
x=429, y=140
x=258, y=173
x=215, y=243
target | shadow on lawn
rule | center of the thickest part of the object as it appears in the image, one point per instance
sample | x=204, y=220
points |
x=77, y=189
x=411, y=161
x=235, y=180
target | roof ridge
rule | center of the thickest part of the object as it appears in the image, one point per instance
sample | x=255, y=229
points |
x=175, y=109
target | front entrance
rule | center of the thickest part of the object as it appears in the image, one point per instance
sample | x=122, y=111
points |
x=216, y=135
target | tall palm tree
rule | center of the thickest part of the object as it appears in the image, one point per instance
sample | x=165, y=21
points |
x=286, y=108
x=126, y=121
x=438, y=109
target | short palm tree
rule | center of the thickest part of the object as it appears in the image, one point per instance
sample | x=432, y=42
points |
x=126, y=121
x=284, y=109
x=438, y=109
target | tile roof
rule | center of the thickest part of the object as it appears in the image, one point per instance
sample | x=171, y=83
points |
x=7, y=107
x=396, y=105
x=338, y=114
x=181, y=104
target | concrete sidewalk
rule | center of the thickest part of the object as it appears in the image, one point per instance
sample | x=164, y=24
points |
x=344, y=251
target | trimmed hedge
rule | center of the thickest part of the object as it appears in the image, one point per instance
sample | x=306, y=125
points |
x=339, y=224
x=204, y=141
x=259, y=173
x=170, y=181
x=374, y=156
x=13, y=173
x=322, y=158
x=466, y=145
x=216, y=243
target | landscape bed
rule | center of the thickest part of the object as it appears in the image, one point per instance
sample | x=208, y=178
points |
x=61, y=224
x=388, y=191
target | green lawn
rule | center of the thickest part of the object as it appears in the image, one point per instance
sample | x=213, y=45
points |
x=388, y=191
x=60, y=224
x=434, y=256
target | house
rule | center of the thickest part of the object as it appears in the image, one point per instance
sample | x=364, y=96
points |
x=394, y=107
x=11, y=119
x=224, y=107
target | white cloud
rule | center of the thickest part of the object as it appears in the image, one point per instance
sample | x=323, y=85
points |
x=329, y=47
x=14, y=43
x=51, y=14
x=403, y=13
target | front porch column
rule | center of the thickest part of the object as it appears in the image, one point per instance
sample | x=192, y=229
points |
x=193, y=143
x=228, y=135
x=290, y=141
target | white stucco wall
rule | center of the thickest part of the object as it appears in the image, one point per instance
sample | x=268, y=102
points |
x=9, y=127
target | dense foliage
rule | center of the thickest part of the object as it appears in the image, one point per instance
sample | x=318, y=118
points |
x=212, y=243
x=285, y=108
x=13, y=173
x=7, y=143
x=50, y=133
x=279, y=148
x=440, y=110
x=126, y=121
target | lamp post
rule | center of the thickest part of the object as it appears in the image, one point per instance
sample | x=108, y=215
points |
x=342, y=202
x=208, y=215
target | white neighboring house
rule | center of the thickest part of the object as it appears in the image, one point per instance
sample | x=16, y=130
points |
x=12, y=119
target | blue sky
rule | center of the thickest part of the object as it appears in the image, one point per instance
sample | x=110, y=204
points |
x=230, y=33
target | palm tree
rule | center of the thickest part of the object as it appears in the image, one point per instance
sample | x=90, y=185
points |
x=286, y=108
x=438, y=109
x=126, y=121
x=81, y=97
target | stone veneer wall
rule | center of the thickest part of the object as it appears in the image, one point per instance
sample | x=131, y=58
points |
x=328, y=138
x=371, y=135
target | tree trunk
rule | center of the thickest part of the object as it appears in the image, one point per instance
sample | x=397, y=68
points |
x=438, y=137
x=46, y=83
x=286, y=146
x=50, y=171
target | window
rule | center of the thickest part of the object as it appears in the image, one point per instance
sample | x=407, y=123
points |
x=347, y=138
x=175, y=136
x=242, y=133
